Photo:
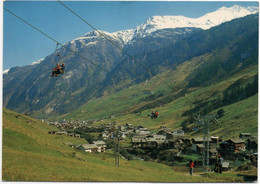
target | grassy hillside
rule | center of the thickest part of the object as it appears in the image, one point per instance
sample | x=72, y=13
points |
x=31, y=154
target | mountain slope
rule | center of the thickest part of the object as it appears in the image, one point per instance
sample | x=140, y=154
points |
x=131, y=106
x=211, y=76
x=232, y=44
x=31, y=90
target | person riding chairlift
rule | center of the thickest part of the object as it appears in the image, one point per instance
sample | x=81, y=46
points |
x=56, y=71
x=154, y=115
x=62, y=68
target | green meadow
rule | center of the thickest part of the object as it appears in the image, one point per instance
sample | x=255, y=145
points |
x=31, y=154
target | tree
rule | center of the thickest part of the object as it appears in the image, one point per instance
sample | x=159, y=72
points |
x=220, y=113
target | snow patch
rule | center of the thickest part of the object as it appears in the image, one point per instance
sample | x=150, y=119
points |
x=37, y=62
x=6, y=71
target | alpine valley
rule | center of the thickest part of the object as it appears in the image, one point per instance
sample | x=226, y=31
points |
x=199, y=63
x=94, y=122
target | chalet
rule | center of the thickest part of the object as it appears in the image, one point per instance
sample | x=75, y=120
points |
x=129, y=132
x=144, y=132
x=121, y=128
x=178, y=144
x=178, y=133
x=244, y=136
x=61, y=133
x=214, y=139
x=90, y=148
x=197, y=143
x=199, y=148
x=236, y=145
x=213, y=152
x=141, y=129
x=71, y=134
x=138, y=141
x=101, y=144
x=167, y=134
x=52, y=132
x=252, y=144
x=123, y=136
x=105, y=135
x=77, y=146
x=156, y=140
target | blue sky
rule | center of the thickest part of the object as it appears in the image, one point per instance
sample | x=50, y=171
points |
x=24, y=45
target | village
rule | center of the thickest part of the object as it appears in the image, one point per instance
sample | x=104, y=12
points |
x=164, y=145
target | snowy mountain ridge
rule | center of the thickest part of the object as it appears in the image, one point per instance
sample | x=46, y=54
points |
x=155, y=23
x=207, y=21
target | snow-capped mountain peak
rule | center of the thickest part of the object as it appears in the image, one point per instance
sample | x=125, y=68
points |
x=207, y=21
x=155, y=23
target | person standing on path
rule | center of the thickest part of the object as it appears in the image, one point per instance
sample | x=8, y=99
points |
x=191, y=167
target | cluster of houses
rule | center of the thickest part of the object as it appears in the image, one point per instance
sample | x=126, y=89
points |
x=176, y=139
x=173, y=139
x=96, y=146
x=164, y=136
x=73, y=124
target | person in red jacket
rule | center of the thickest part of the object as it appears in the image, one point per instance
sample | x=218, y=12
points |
x=156, y=114
x=191, y=167
x=56, y=71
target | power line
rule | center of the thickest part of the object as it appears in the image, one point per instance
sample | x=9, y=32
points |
x=148, y=70
x=58, y=43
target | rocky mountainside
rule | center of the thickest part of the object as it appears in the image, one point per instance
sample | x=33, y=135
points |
x=30, y=89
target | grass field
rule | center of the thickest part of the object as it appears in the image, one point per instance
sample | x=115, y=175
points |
x=31, y=154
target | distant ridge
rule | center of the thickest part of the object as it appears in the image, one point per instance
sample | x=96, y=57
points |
x=207, y=21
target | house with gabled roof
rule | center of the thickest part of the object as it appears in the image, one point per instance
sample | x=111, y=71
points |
x=252, y=144
x=138, y=141
x=244, y=136
x=236, y=145
x=101, y=144
x=197, y=143
x=89, y=148
x=97, y=146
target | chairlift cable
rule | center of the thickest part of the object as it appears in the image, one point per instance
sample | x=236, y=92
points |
x=58, y=43
x=148, y=70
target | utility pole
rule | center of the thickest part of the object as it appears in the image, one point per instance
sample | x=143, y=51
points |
x=206, y=138
x=206, y=145
x=117, y=148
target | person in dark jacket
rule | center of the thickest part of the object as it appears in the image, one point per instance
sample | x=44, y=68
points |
x=156, y=114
